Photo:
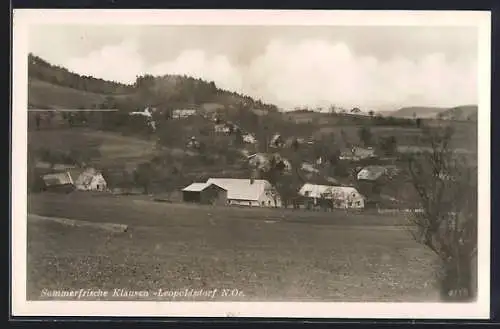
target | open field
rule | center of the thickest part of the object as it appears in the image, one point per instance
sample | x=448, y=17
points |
x=268, y=254
x=112, y=146
x=42, y=93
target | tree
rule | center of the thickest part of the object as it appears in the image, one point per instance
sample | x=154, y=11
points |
x=345, y=138
x=295, y=145
x=365, y=135
x=238, y=137
x=446, y=184
x=37, y=121
x=388, y=145
x=143, y=176
x=333, y=157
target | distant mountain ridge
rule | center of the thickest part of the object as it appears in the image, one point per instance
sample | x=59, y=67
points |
x=461, y=113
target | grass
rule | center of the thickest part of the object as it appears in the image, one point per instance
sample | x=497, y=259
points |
x=113, y=147
x=268, y=254
x=43, y=93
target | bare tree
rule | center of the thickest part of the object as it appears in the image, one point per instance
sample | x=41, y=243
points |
x=446, y=184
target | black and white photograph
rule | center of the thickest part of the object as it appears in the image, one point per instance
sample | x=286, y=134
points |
x=251, y=163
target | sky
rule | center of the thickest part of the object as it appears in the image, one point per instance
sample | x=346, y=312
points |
x=370, y=67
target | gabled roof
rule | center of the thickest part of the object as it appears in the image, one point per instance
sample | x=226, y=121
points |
x=198, y=187
x=56, y=179
x=75, y=173
x=371, y=173
x=242, y=189
x=316, y=191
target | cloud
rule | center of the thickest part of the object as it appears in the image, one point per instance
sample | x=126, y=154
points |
x=196, y=63
x=312, y=72
x=120, y=62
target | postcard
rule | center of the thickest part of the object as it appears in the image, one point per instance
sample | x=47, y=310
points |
x=251, y=163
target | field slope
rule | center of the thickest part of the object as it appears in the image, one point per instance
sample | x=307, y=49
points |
x=171, y=246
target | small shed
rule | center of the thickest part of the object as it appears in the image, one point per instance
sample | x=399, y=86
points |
x=205, y=193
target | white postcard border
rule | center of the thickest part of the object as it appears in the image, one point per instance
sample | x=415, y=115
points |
x=23, y=18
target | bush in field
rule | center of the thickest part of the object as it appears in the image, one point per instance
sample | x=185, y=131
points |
x=366, y=136
x=144, y=175
x=388, y=145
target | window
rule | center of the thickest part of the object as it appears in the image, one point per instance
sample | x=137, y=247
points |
x=268, y=203
x=263, y=203
x=307, y=193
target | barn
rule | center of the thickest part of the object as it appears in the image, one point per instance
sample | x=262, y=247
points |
x=205, y=193
x=249, y=192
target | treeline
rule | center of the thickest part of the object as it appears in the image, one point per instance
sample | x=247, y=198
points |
x=148, y=90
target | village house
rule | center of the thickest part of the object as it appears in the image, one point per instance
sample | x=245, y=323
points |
x=260, y=112
x=371, y=173
x=88, y=179
x=307, y=167
x=224, y=128
x=147, y=114
x=193, y=143
x=54, y=166
x=248, y=192
x=374, y=173
x=263, y=161
x=58, y=181
x=341, y=196
x=205, y=193
x=183, y=113
x=357, y=154
x=249, y=138
x=277, y=141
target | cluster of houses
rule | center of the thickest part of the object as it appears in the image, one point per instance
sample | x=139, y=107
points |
x=226, y=191
x=231, y=191
x=228, y=128
x=61, y=177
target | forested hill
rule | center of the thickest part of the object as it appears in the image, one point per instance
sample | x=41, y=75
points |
x=43, y=70
x=54, y=86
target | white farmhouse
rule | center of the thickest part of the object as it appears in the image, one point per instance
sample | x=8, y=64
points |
x=87, y=180
x=248, y=192
x=342, y=196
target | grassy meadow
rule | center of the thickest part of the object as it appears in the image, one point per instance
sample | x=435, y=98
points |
x=268, y=254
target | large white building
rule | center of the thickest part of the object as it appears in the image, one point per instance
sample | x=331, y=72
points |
x=342, y=196
x=248, y=192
